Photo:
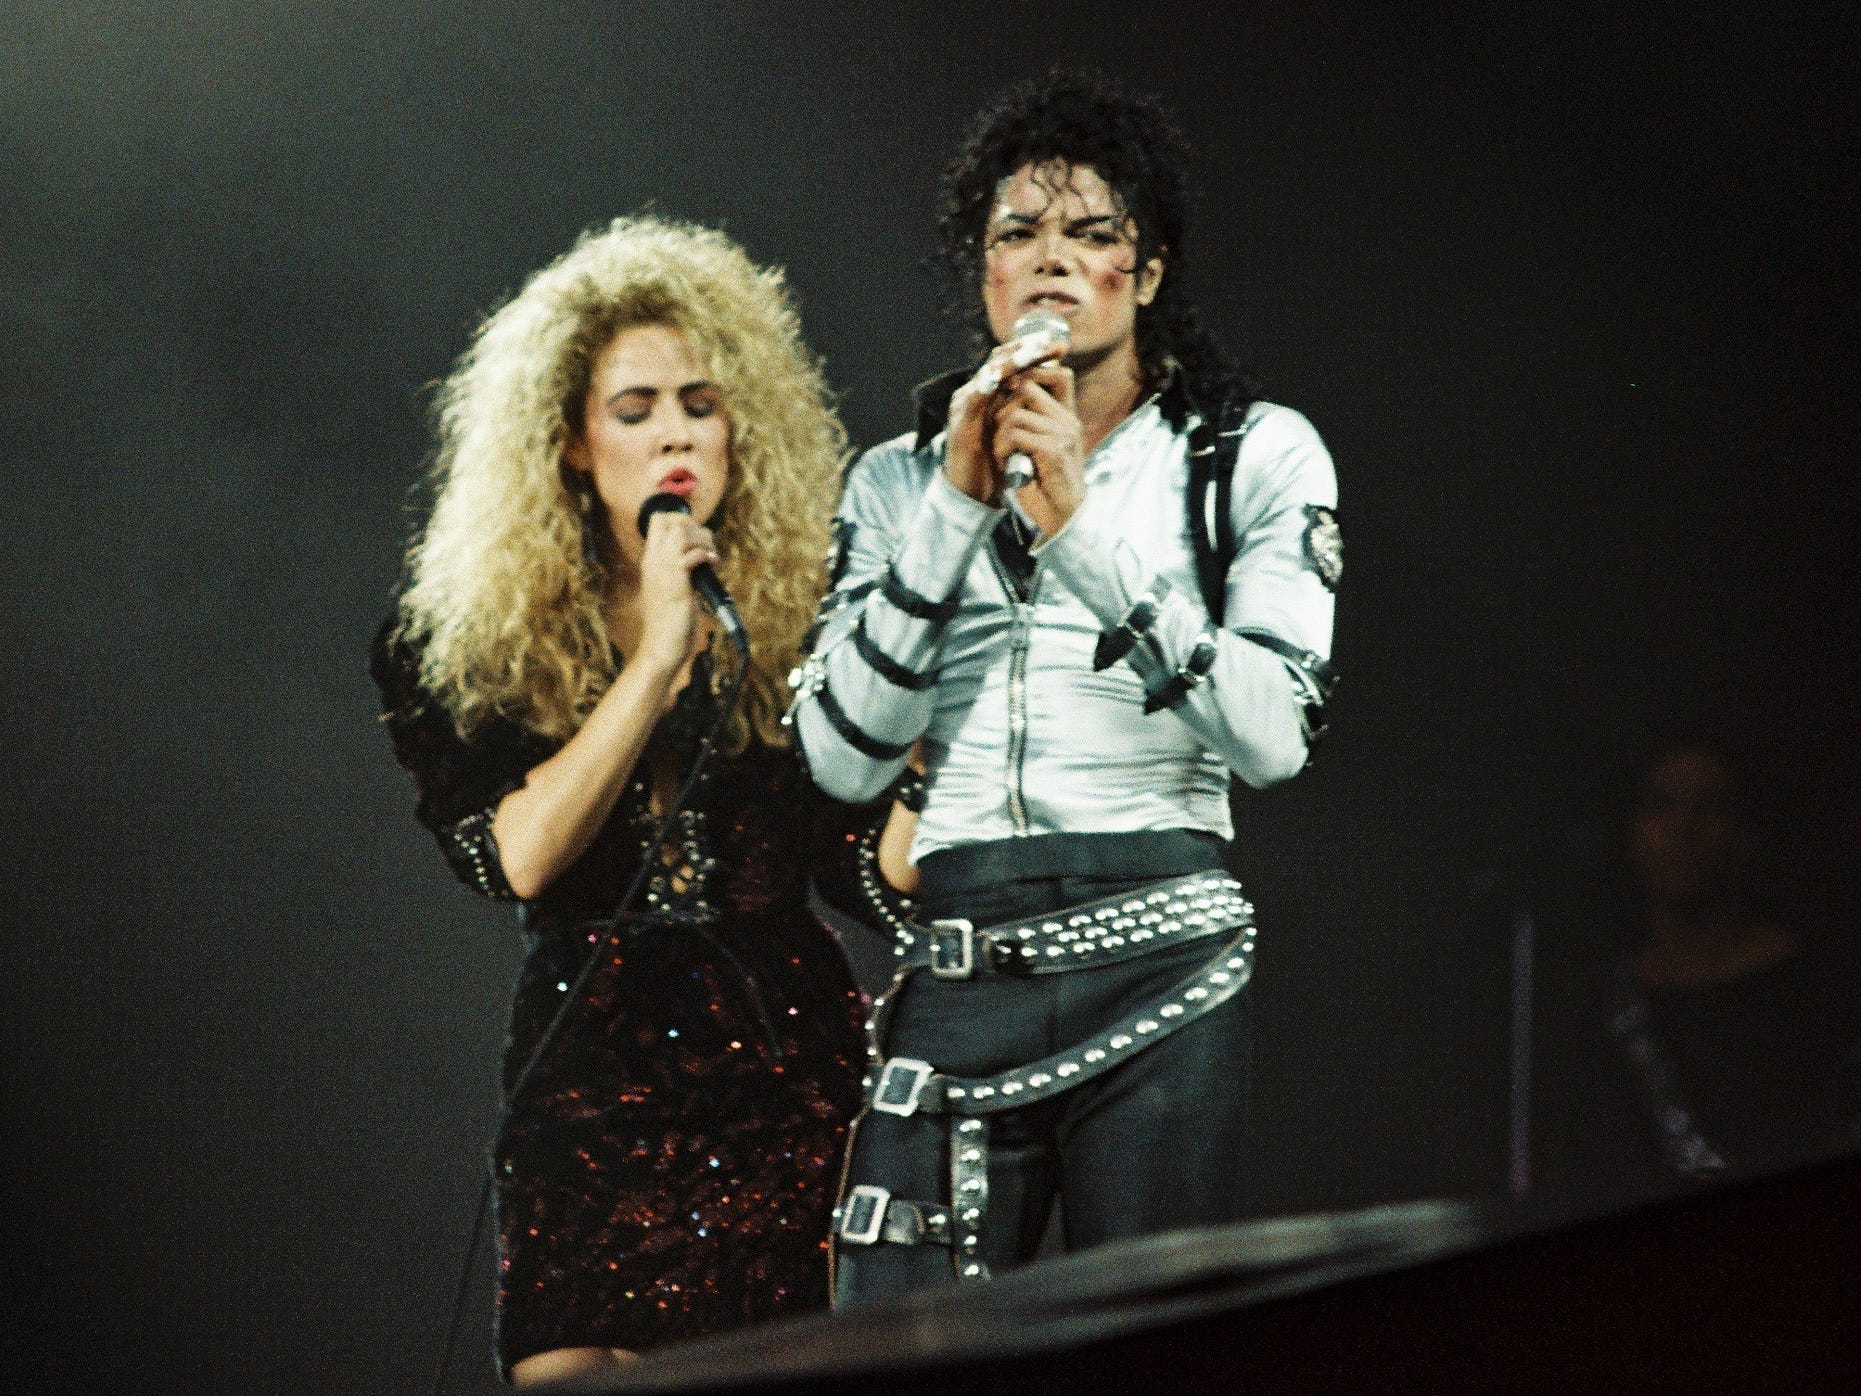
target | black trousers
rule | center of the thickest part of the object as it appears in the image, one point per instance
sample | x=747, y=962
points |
x=1153, y=1145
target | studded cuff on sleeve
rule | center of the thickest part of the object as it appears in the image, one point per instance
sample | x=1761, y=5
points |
x=471, y=849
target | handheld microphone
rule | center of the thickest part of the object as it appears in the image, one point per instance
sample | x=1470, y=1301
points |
x=704, y=578
x=1036, y=335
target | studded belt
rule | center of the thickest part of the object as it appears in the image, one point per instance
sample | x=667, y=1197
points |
x=1081, y=937
x=870, y=1215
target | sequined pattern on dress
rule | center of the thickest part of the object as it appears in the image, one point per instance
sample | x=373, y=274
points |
x=671, y=1174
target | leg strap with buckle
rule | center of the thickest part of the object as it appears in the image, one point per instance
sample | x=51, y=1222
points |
x=871, y=1215
x=969, y=1193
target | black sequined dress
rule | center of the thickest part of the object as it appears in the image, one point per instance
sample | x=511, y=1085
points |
x=670, y=1164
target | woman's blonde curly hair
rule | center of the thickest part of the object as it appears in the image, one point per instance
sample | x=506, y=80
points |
x=504, y=597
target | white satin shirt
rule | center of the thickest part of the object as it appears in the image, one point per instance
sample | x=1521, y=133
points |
x=1022, y=736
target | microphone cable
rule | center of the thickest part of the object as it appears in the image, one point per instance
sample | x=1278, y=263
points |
x=605, y=936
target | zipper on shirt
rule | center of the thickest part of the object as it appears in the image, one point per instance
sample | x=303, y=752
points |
x=1021, y=597
x=1020, y=640
x=1020, y=637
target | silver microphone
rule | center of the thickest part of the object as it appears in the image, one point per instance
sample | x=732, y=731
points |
x=1036, y=335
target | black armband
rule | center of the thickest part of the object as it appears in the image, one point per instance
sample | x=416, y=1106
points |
x=885, y=666
x=850, y=731
x=912, y=604
x=1320, y=678
x=471, y=850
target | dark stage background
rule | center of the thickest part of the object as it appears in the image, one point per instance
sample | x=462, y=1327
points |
x=1571, y=297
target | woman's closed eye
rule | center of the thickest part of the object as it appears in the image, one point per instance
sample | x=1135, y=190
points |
x=701, y=399
x=634, y=405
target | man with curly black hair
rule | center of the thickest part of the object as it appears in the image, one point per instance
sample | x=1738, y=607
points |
x=1082, y=660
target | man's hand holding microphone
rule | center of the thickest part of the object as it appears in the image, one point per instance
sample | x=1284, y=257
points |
x=1013, y=426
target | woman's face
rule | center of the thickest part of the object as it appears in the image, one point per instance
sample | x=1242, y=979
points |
x=652, y=423
x=1056, y=241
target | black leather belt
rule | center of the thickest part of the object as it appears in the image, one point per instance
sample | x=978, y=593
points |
x=1104, y=932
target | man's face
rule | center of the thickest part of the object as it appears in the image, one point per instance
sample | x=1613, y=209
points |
x=1057, y=240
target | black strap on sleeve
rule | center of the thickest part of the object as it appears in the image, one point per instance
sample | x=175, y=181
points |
x=832, y=605
x=1214, y=451
x=1318, y=672
x=1324, y=678
x=885, y=666
x=840, y=553
x=1194, y=669
x=850, y=732
x=912, y=604
x=1114, y=645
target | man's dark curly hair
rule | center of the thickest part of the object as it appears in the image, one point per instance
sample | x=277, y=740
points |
x=1083, y=118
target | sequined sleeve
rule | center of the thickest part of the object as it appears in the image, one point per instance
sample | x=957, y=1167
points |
x=459, y=781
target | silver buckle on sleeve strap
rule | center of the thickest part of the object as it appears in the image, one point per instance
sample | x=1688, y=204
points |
x=900, y=1089
x=1114, y=645
x=806, y=678
x=1189, y=675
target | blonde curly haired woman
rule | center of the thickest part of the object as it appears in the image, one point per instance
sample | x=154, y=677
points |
x=668, y=1157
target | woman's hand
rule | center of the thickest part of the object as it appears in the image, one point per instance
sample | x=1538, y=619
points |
x=1039, y=419
x=552, y=819
x=672, y=626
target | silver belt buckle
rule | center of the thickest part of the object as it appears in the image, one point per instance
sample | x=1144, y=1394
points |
x=862, y=1215
x=952, y=948
x=901, y=1082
